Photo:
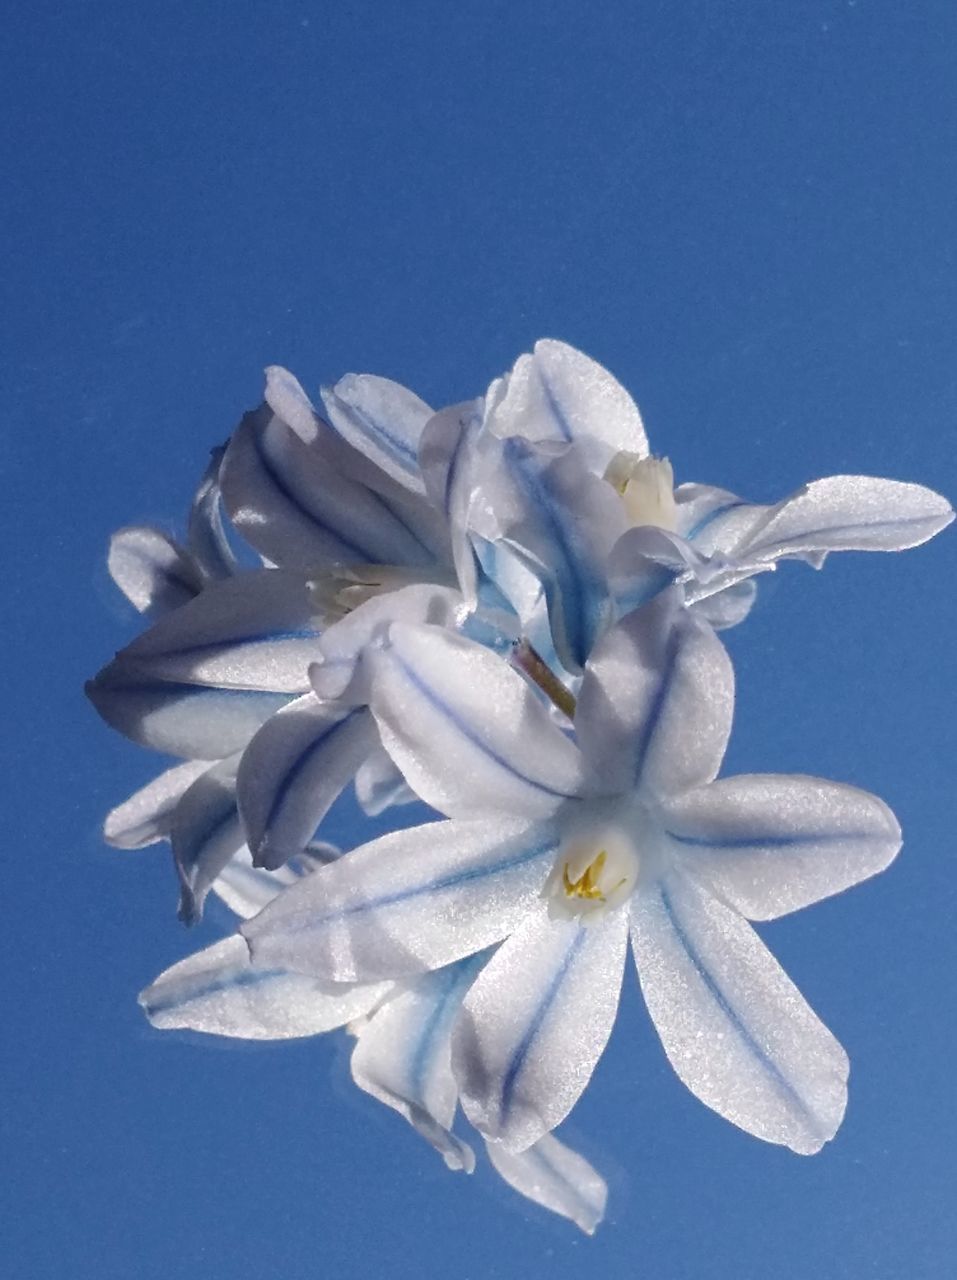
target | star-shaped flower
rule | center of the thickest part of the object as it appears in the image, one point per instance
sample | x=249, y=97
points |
x=565, y=848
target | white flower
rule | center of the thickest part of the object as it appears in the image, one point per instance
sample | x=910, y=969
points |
x=403, y=1052
x=565, y=848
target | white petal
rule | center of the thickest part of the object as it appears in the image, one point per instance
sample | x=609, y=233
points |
x=146, y=816
x=768, y=844
x=285, y=396
x=714, y=520
x=735, y=1028
x=205, y=833
x=465, y=729
x=849, y=513
x=153, y=572
x=202, y=723
x=218, y=991
x=382, y=420
x=259, y=630
x=207, y=540
x=410, y=901
x=558, y=393
x=246, y=889
x=379, y=784
x=562, y=521
x=535, y=1023
x=656, y=703
x=295, y=504
x=446, y=458
x=343, y=644
x=555, y=1177
x=294, y=768
x=403, y=1057
x=728, y=607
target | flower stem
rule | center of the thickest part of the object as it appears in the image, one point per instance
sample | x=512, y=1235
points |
x=540, y=673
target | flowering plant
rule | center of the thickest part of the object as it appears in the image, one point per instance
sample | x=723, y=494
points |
x=505, y=609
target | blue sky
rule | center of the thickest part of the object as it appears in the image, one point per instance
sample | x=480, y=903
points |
x=747, y=212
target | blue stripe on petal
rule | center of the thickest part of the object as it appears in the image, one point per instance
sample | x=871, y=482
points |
x=466, y=732
x=453, y=881
x=514, y=1069
x=715, y=991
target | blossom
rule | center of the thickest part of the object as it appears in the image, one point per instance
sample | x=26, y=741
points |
x=562, y=484
x=402, y=1055
x=563, y=848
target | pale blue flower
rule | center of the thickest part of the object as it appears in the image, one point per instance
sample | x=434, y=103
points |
x=564, y=848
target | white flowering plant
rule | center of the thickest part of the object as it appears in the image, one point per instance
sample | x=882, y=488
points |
x=507, y=610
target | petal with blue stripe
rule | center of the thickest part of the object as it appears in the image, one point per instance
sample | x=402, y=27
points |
x=556, y=1177
x=735, y=1028
x=468, y=733
x=294, y=768
x=343, y=645
x=383, y=421
x=558, y=393
x=848, y=513
x=768, y=844
x=297, y=506
x=544, y=504
x=408, y=902
x=205, y=834
x=656, y=703
x=146, y=816
x=403, y=1056
x=219, y=992
x=259, y=630
x=535, y=1023
x=152, y=570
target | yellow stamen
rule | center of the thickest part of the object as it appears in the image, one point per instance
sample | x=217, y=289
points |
x=586, y=885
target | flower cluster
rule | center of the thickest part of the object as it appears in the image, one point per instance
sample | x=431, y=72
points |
x=507, y=610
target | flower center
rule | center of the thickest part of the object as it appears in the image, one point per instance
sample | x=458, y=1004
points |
x=595, y=872
x=646, y=487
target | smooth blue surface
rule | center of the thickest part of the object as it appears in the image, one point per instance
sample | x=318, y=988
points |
x=747, y=211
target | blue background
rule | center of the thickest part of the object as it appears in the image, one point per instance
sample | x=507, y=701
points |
x=747, y=211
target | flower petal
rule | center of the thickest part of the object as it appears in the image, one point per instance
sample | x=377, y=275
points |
x=558, y=393
x=768, y=844
x=151, y=569
x=146, y=816
x=555, y=1177
x=380, y=784
x=178, y=719
x=259, y=630
x=735, y=1028
x=410, y=901
x=562, y=522
x=218, y=991
x=403, y=1056
x=728, y=607
x=293, y=770
x=207, y=540
x=294, y=503
x=382, y=420
x=849, y=513
x=343, y=644
x=205, y=833
x=655, y=707
x=535, y=1023
x=446, y=457
x=246, y=889
x=465, y=729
